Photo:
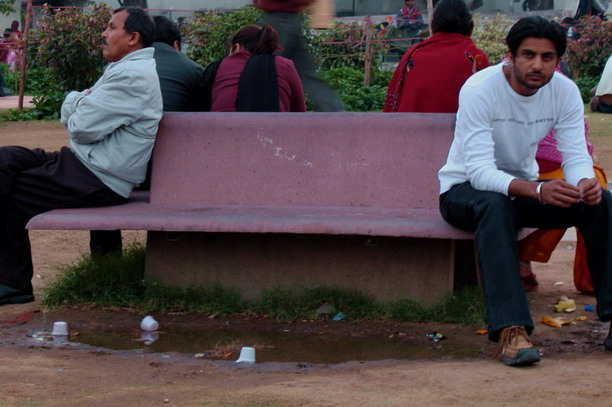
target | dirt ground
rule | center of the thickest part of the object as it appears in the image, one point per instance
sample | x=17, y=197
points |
x=574, y=372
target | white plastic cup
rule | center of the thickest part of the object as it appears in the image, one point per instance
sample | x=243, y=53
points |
x=149, y=337
x=60, y=328
x=247, y=355
x=149, y=323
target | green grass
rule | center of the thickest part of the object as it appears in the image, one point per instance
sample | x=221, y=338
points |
x=600, y=134
x=117, y=281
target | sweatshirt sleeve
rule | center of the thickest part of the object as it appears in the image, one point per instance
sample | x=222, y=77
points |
x=474, y=134
x=570, y=135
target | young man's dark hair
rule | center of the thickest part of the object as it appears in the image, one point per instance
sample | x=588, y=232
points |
x=452, y=16
x=536, y=27
x=139, y=21
x=166, y=31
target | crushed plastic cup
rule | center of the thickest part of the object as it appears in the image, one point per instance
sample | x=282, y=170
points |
x=60, y=328
x=149, y=323
x=436, y=336
x=247, y=355
x=338, y=317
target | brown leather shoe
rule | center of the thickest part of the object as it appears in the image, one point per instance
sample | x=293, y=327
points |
x=515, y=347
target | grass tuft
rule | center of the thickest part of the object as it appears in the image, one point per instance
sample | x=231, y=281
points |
x=112, y=280
x=116, y=281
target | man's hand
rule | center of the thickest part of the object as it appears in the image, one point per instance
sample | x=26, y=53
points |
x=560, y=193
x=595, y=104
x=590, y=191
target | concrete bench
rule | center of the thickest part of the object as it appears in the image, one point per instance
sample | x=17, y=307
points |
x=254, y=200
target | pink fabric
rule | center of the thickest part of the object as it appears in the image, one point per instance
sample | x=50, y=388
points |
x=225, y=89
x=549, y=157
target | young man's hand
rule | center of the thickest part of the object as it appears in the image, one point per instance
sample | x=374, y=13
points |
x=560, y=193
x=590, y=190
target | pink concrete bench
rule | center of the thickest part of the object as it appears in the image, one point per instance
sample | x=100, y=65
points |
x=254, y=200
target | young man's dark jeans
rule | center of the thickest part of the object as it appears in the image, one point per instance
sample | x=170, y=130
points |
x=495, y=220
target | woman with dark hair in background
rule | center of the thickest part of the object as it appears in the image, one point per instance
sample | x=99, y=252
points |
x=253, y=79
x=429, y=76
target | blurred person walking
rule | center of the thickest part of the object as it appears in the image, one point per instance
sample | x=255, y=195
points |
x=284, y=16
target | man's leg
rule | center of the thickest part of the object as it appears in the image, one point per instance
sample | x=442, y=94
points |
x=14, y=242
x=604, y=107
x=595, y=228
x=59, y=180
x=292, y=39
x=493, y=219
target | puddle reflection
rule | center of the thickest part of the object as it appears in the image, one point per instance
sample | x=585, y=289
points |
x=277, y=347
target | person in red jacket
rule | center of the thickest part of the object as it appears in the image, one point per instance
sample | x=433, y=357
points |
x=284, y=16
x=429, y=76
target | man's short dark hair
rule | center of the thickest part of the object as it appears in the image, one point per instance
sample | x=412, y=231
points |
x=166, y=31
x=536, y=27
x=139, y=21
x=452, y=16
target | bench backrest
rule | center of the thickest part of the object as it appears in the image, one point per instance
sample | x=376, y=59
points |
x=300, y=159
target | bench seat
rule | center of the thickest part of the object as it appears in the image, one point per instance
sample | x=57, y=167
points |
x=420, y=223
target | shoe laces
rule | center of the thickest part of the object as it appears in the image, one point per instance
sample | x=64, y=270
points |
x=509, y=334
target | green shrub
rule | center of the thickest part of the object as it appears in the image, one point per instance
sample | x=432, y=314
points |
x=7, y=6
x=343, y=46
x=585, y=84
x=490, y=36
x=207, y=32
x=588, y=54
x=68, y=56
x=348, y=82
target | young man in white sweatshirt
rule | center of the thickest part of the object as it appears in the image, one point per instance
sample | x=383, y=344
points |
x=489, y=182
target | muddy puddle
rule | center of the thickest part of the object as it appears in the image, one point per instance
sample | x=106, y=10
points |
x=278, y=347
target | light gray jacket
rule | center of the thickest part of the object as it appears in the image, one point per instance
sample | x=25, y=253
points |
x=112, y=129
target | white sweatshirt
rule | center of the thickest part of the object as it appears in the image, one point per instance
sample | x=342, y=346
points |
x=497, y=132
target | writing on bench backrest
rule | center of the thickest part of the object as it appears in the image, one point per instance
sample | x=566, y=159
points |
x=297, y=159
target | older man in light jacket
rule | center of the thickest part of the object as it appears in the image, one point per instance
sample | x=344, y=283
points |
x=112, y=129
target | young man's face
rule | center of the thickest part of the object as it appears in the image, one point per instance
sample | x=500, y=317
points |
x=409, y=3
x=533, y=65
x=116, y=42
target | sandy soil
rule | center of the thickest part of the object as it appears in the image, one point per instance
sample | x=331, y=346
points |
x=574, y=372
